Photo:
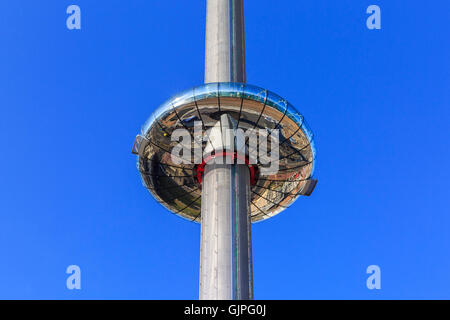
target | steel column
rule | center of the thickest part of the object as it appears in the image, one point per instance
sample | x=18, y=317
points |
x=225, y=255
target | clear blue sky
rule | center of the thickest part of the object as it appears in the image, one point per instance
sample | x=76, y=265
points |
x=73, y=101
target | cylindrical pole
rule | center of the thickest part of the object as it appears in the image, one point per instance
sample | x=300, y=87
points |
x=226, y=266
x=226, y=247
x=225, y=41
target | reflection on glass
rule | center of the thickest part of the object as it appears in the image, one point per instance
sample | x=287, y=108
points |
x=294, y=115
x=206, y=91
x=231, y=89
x=255, y=93
x=276, y=102
x=183, y=98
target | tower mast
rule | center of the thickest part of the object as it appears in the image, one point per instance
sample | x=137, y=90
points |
x=226, y=246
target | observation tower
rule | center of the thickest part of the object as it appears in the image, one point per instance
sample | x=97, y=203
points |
x=226, y=154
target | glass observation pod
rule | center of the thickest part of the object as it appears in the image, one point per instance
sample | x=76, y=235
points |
x=177, y=186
